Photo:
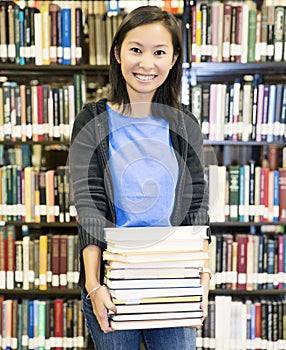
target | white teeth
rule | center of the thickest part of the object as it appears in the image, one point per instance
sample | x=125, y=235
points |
x=145, y=77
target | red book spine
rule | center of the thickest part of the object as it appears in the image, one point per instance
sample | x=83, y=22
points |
x=40, y=113
x=11, y=256
x=58, y=323
x=266, y=194
x=55, y=261
x=238, y=35
x=241, y=261
x=3, y=257
x=63, y=261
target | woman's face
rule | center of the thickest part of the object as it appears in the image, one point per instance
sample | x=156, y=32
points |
x=146, y=56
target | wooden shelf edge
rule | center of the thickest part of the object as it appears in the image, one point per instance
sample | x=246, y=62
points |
x=246, y=293
x=56, y=292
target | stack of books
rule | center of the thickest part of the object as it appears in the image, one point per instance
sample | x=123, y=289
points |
x=153, y=274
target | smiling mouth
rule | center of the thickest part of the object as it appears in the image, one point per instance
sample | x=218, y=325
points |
x=145, y=77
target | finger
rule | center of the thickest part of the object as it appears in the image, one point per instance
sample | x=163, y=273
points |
x=104, y=321
x=110, y=306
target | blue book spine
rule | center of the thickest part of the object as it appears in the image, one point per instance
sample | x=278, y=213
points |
x=241, y=195
x=252, y=321
x=278, y=106
x=271, y=112
x=283, y=115
x=276, y=196
x=113, y=6
x=22, y=37
x=264, y=131
x=31, y=324
x=20, y=326
x=260, y=261
x=66, y=35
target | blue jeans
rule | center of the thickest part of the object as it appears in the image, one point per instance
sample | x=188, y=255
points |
x=154, y=339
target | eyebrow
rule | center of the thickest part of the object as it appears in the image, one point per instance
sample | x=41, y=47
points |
x=139, y=44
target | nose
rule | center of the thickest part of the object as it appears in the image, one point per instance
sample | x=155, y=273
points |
x=146, y=61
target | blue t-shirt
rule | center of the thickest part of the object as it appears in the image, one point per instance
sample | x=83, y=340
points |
x=144, y=170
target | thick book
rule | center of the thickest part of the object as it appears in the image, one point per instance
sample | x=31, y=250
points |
x=158, y=307
x=143, y=258
x=159, y=300
x=137, y=294
x=154, y=234
x=156, y=265
x=156, y=316
x=124, y=325
x=168, y=245
x=137, y=284
x=139, y=273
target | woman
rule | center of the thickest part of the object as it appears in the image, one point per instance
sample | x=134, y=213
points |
x=136, y=160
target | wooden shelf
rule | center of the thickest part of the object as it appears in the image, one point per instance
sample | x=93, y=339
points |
x=243, y=143
x=63, y=68
x=248, y=293
x=40, y=224
x=228, y=70
x=31, y=293
x=245, y=224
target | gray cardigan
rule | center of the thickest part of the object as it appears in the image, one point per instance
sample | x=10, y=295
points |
x=92, y=182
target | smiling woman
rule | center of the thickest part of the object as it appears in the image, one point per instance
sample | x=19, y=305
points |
x=136, y=160
x=146, y=57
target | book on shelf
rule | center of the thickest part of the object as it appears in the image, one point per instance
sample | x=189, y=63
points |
x=248, y=32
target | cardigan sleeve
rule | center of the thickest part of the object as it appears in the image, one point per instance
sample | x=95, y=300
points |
x=87, y=178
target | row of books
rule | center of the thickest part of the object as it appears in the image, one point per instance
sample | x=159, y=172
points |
x=42, y=262
x=102, y=25
x=248, y=262
x=237, y=32
x=32, y=195
x=53, y=32
x=153, y=275
x=41, y=35
x=247, y=193
x=17, y=155
x=40, y=112
x=41, y=324
x=239, y=324
x=245, y=110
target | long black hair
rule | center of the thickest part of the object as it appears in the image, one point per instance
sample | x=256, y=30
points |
x=168, y=93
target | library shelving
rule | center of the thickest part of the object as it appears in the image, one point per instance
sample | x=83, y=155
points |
x=234, y=79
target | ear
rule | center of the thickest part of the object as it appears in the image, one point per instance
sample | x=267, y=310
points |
x=174, y=60
x=116, y=54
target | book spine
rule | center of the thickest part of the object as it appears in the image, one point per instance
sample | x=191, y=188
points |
x=66, y=35
x=278, y=33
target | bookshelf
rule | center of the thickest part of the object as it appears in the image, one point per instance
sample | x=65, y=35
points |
x=239, y=294
x=94, y=76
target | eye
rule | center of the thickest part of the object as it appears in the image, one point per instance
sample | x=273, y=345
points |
x=159, y=52
x=135, y=49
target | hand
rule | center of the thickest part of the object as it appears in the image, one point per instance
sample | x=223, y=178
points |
x=101, y=303
x=204, y=307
